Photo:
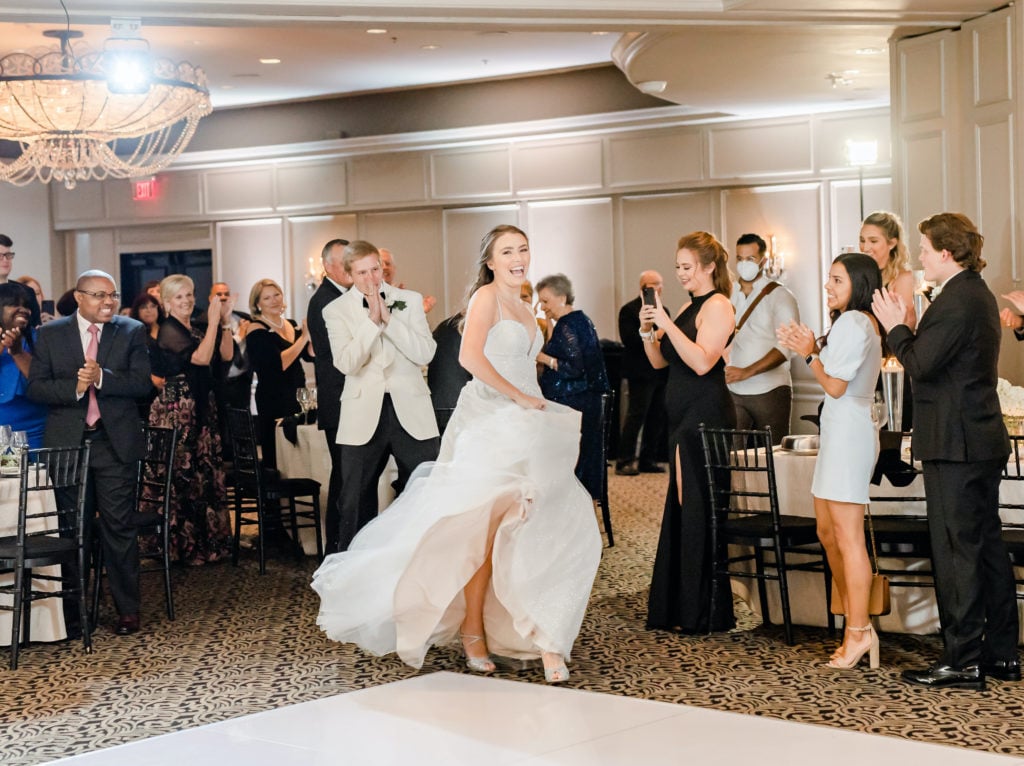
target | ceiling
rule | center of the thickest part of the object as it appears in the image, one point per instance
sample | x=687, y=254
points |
x=752, y=57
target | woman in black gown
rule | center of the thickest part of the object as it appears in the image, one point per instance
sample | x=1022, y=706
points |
x=691, y=347
x=275, y=345
x=574, y=373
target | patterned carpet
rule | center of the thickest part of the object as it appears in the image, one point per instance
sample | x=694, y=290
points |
x=244, y=643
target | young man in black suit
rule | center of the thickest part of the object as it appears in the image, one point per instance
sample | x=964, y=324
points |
x=329, y=379
x=960, y=438
x=90, y=369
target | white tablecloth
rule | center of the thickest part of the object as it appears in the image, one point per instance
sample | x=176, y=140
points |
x=913, y=609
x=310, y=458
x=48, y=614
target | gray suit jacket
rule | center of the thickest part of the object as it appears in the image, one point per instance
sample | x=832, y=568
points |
x=53, y=378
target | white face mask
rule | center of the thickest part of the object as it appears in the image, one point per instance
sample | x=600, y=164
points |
x=747, y=270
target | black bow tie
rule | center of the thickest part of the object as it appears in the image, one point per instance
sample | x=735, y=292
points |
x=367, y=305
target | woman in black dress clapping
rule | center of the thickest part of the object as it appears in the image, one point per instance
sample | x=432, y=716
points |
x=275, y=345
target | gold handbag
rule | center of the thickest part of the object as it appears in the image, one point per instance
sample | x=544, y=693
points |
x=879, y=602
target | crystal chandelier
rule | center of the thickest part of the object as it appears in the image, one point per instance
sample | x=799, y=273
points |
x=115, y=113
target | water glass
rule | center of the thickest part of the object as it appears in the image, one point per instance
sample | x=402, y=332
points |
x=879, y=411
x=303, y=398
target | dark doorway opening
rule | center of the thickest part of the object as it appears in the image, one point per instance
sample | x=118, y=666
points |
x=137, y=269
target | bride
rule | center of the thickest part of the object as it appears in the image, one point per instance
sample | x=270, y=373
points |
x=496, y=542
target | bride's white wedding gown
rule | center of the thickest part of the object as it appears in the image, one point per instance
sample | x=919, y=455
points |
x=503, y=484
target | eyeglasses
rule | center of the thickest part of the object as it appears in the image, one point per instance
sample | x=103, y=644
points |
x=101, y=296
x=7, y=256
x=223, y=295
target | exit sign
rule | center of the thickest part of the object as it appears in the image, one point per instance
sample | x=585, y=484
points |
x=144, y=190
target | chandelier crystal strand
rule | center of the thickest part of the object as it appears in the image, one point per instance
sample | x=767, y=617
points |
x=72, y=126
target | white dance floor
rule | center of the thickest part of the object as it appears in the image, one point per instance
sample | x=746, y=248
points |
x=448, y=718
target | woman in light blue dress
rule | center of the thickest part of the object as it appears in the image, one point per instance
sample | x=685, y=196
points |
x=846, y=367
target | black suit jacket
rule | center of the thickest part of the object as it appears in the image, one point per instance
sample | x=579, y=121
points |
x=952, y=362
x=53, y=378
x=635, y=365
x=330, y=381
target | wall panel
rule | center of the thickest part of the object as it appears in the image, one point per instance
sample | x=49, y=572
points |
x=925, y=175
x=383, y=179
x=414, y=238
x=655, y=158
x=307, y=236
x=464, y=229
x=477, y=173
x=759, y=150
x=248, y=251
x=178, y=195
x=574, y=237
x=244, y=190
x=311, y=185
x=650, y=227
x=566, y=166
x=923, y=72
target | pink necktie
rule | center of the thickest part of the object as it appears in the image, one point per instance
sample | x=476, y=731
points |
x=92, y=414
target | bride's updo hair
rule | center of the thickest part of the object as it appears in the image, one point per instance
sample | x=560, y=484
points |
x=485, y=276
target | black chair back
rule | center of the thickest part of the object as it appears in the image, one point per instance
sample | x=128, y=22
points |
x=743, y=493
x=1012, y=513
x=50, y=532
x=904, y=534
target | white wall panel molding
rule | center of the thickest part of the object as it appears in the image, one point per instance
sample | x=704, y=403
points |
x=563, y=167
x=655, y=158
x=761, y=150
x=469, y=173
x=388, y=178
x=924, y=66
x=242, y=191
x=992, y=58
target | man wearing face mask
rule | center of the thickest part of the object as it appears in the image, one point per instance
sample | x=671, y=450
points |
x=758, y=369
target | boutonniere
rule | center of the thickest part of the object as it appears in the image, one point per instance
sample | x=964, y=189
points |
x=396, y=306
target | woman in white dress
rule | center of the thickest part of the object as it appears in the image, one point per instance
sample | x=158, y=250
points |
x=496, y=542
x=846, y=367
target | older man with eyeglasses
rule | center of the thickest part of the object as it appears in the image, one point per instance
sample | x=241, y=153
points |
x=90, y=369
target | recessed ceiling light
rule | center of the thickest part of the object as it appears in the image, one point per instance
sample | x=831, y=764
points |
x=600, y=33
x=429, y=47
x=376, y=31
x=868, y=51
x=652, y=86
x=270, y=61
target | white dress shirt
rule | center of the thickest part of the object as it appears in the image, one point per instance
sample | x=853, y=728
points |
x=757, y=336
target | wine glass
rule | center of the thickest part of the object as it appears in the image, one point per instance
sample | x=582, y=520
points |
x=312, y=397
x=6, y=437
x=19, y=440
x=879, y=411
x=303, y=398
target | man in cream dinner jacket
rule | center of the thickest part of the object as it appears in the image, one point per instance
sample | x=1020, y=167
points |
x=380, y=340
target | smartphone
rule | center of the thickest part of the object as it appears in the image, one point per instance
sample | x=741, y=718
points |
x=648, y=296
x=48, y=308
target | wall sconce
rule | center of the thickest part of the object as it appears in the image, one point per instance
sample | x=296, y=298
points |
x=314, y=275
x=859, y=154
x=775, y=260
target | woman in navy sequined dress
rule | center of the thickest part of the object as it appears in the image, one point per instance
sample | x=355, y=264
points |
x=574, y=373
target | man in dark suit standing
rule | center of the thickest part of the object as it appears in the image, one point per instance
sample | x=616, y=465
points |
x=90, y=369
x=960, y=437
x=329, y=379
x=645, y=412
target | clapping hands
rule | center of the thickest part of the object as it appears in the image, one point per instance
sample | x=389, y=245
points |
x=797, y=337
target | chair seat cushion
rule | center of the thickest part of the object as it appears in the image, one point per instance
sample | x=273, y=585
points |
x=297, y=487
x=39, y=551
x=757, y=530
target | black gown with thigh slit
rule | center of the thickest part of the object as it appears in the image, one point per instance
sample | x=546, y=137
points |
x=680, y=593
